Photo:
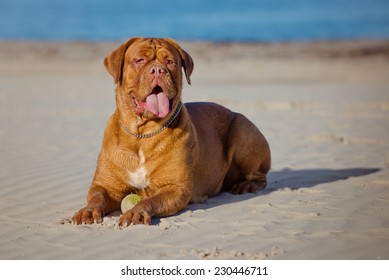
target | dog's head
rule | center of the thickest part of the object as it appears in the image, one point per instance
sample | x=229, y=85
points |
x=148, y=75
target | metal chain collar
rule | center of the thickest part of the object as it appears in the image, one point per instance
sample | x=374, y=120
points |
x=149, y=135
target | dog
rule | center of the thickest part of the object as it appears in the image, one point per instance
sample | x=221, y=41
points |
x=169, y=153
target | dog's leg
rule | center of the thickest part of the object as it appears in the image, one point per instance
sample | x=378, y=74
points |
x=169, y=201
x=256, y=183
x=99, y=203
x=249, y=154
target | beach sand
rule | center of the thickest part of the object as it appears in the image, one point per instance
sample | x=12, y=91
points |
x=323, y=107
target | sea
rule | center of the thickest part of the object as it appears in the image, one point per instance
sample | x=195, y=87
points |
x=194, y=20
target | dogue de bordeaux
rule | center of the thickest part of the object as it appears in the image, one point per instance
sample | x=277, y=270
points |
x=167, y=152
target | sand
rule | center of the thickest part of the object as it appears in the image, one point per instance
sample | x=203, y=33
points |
x=324, y=108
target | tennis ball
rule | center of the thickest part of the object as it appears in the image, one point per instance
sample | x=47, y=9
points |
x=129, y=202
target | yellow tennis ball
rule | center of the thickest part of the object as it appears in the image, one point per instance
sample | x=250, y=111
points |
x=129, y=202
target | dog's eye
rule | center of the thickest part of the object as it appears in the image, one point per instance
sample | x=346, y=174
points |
x=139, y=61
x=169, y=62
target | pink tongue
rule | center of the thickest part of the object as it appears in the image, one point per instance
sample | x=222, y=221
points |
x=158, y=104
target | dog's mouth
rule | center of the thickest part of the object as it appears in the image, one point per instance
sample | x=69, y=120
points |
x=157, y=103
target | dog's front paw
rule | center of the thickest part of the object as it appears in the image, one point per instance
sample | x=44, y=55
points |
x=88, y=215
x=132, y=217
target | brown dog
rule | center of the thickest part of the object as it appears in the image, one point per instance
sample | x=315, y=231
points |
x=167, y=152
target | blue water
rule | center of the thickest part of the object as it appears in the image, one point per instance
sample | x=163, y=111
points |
x=215, y=20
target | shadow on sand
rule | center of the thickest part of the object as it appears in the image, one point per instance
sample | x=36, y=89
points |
x=307, y=178
x=287, y=178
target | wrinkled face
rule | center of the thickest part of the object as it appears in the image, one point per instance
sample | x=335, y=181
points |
x=150, y=81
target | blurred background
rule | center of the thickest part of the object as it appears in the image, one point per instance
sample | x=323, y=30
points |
x=202, y=20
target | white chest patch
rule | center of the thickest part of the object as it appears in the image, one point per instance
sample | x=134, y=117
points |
x=138, y=178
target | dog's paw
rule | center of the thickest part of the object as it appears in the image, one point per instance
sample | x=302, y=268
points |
x=88, y=215
x=131, y=217
x=248, y=187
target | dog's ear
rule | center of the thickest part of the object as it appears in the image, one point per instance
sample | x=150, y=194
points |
x=114, y=61
x=187, y=61
x=187, y=64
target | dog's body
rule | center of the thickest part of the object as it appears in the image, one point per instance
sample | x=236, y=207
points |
x=167, y=152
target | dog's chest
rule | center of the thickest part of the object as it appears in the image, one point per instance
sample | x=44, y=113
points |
x=138, y=176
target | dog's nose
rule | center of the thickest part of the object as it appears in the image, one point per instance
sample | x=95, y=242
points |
x=157, y=71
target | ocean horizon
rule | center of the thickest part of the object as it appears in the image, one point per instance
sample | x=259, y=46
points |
x=201, y=20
